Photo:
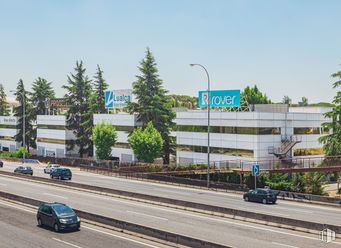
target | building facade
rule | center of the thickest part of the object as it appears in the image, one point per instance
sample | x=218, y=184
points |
x=250, y=136
x=8, y=131
x=53, y=137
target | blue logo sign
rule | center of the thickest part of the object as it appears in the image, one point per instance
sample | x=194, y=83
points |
x=109, y=99
x=220, y=98
x=117, y=98
x=255, y=170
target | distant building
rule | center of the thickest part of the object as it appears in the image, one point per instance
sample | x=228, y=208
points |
x=8, y=131
x=53, y=137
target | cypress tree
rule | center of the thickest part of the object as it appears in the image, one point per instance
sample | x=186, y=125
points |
x=98, y=98
x=79, y=115
x=4, y=107
x=22, y=97
x=153, y=104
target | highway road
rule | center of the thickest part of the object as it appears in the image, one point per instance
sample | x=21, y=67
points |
x=219, y=230
x=295, y=210
x=18, y=229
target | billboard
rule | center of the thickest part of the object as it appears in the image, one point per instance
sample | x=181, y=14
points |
x=220, y=98
x=117, y=98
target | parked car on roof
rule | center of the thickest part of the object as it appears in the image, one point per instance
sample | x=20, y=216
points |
x=264, y=196
x=61, y=173
x=24, y=170
x=50, y=168
x=58, y=216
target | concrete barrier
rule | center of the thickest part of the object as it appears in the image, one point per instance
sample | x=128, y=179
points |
x=192, y=205
x=123, y=225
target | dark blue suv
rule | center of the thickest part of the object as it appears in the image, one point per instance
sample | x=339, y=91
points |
x=58, y=216
x=61, y=173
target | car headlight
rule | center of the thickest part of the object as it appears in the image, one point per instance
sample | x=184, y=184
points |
x=78, y=219
x=64, y=221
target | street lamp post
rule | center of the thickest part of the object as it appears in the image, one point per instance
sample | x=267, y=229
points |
x=23, y=124
x=208, y=121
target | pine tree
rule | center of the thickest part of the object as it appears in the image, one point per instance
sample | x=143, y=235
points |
x=41, y=92
x=4, y=107
x=332, y=141
x=22, y=97
x=79, y=115
x=152, y=103
x=98, y=98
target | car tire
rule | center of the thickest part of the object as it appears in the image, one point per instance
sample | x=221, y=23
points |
x=264, y=201
x=247, y=198
x=51, y=176
x=39, y=222
x=56, y=227
x=60, y=177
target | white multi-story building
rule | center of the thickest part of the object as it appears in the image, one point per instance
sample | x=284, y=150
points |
x=53, y=137
x=8, y=131
x=124, y=124
x=267, y=133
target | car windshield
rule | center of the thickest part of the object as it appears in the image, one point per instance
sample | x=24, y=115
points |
x=62, y=210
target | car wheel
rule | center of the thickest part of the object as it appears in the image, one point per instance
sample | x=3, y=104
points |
x=51, y=176
x=39, y=222
x=60, y=177
x=246, y=198
x=264, y=201
x=56, y=227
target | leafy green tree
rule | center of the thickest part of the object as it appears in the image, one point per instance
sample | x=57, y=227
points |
x=146, y=143
x=254, y=96
x=152, y=103
x=41, y=92
x=286, y=100
x=79, y=115
x=332, y=141
x=298, y=183
x=314, y=183
x=279, y=181
x=304, y=101
x=98, y=97
x=104, y=137
x=183, y=101
x=4, y=107
x=22, y=97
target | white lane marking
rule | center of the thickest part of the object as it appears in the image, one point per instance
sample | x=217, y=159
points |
x=67, y=243
x=20, y=208
x=120, y=237
x=55, y=195
x=3, y=184
x=152, y=216
x=290, y=246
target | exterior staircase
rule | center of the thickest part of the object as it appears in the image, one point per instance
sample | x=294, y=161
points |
x=288, y=142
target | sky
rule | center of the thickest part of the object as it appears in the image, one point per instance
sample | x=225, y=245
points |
x=285, y=47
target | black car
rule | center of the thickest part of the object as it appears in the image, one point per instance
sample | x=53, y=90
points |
x=61, y=173
x=24, y=170
x=261, y=195
x=58, y=216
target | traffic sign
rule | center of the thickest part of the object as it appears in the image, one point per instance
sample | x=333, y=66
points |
x=255, y=170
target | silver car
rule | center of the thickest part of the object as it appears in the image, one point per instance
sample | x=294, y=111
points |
x=50, y=168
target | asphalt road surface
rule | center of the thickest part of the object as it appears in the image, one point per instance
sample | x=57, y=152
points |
x=295, y=210
x=214, y=229
x=18, y=229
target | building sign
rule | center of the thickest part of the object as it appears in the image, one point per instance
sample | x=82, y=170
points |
x=117, y=98
x=9, y=120
x=220, y=98
x=58, y=103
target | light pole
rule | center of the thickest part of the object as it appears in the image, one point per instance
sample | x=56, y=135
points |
x=23, y=124
x=208, y=121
